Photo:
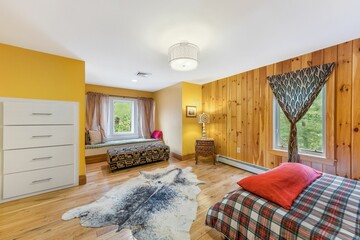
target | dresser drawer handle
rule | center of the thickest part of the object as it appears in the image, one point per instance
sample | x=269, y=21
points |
x=41, y=158
x=42, y=180
x=42, y=114
x=42, y=136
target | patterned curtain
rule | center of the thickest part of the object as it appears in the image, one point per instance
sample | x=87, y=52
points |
x=295, y=93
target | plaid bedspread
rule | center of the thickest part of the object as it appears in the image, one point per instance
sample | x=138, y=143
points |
x=328, y=209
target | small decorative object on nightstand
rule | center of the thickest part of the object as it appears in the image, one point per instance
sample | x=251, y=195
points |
x=203, y=119
x=204, y=147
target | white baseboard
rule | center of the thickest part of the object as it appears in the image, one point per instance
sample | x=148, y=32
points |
x=241, y=164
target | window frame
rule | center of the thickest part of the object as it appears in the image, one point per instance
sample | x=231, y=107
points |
x=276, y=128
x=134, y=116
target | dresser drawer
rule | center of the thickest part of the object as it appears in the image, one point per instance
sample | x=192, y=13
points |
x=205, y=142
x=37, y=158
x=18, y=184
x=32, y=113
x=36, y=136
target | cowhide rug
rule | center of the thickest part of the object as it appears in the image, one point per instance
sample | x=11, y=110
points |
x=161, y=204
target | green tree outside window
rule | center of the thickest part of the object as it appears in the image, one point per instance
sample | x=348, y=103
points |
x=122, y=117
x=309, y=128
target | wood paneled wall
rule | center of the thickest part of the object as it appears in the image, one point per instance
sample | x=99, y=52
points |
x=241, y=112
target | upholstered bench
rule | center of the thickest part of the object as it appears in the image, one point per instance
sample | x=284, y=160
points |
x=124, y=157
x=98, y=152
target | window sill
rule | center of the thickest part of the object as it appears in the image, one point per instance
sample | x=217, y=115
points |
x=305, y=157
x=122, y=137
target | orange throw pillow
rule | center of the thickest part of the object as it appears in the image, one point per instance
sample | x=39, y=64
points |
x=281, y=185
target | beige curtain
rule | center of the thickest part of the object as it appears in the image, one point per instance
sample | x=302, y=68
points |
x=146, y=108
x=97, y=108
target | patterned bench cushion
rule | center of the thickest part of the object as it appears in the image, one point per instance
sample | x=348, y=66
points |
x=124, y=157
x=120, y=143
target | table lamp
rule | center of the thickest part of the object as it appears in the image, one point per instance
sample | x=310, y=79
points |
x=203, y=118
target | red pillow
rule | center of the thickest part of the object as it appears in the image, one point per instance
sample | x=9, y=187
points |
x=157, y=134
x=283, y=184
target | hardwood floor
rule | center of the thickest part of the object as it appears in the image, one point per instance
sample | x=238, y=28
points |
x=39, y=217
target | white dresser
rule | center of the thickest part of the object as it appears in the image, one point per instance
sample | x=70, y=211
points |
x=39, y=147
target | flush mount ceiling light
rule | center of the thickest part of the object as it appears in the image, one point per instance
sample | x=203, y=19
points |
x=183, y=56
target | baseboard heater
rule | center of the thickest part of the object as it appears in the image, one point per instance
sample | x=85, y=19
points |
x=241, y=164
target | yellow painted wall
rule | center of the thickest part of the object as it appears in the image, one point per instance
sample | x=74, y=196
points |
x=117, y=91
x=168, y=116
x=30, y=74
x=191, y=130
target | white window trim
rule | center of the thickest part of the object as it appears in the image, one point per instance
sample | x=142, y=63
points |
x=276, y=127
x=134, y=118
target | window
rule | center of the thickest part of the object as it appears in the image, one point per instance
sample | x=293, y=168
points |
x=123, y=115
x=310, y=129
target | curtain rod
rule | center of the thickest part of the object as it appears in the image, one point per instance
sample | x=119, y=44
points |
x=119, y=96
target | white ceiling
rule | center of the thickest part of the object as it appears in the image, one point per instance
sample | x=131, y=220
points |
x=118, y=38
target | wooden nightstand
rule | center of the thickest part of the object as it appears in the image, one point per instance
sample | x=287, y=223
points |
x=204, y=147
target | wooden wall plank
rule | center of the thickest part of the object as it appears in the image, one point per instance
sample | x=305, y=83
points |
x=317, y=58
x=355, y=143
x=250, y=116
x=306, y=60
x=224, y=117
x=330, y=55
x=270, y=161
x=228, y=120
x=343, y=109
x=212, y=109
x=218, y=112
x=205, y=96
x=233, y=110
x=220, y=120
x=244, y=93
x=239, y=119
x=206, y=101
x=278, y=68
x=295, y=64
x=286, y=66
x=262, y=116
x=256, y=115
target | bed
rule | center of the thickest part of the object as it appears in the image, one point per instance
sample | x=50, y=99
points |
x=329, y=208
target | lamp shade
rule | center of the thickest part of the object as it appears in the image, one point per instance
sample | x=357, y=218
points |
x=183, y=56
x=203, y=118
